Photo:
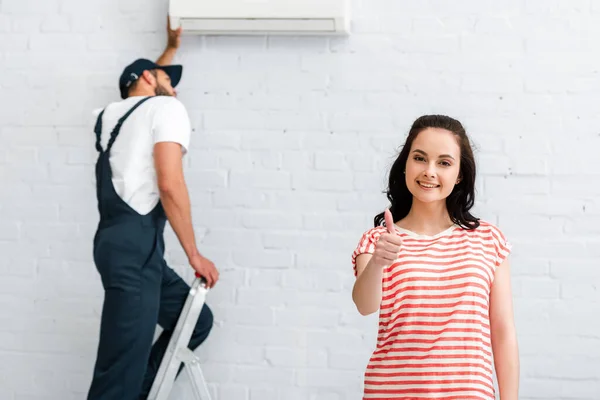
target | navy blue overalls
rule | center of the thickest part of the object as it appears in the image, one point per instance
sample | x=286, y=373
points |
x=141, y=290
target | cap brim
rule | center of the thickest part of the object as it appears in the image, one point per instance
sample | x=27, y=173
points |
x=174, y=72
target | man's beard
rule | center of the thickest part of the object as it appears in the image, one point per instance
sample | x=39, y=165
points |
x=161, y=91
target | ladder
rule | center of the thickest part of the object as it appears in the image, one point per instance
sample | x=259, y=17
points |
x=178, y=352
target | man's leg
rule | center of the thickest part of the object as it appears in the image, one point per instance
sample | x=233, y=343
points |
x=128, y=322
x=174, y=292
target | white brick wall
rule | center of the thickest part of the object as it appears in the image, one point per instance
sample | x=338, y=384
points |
x=293, y=137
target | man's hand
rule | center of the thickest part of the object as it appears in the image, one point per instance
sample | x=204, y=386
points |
x=173, y=36
x=206, y=269
x=173, y=42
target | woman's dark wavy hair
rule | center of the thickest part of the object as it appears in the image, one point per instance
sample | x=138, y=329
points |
x=462, y=198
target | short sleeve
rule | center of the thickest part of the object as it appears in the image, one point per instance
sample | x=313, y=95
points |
x=366, y=245
x=172, y=123
x=95, y=113
x=502, y=247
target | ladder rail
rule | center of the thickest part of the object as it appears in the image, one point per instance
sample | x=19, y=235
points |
x=196, y=376
x=177, y=351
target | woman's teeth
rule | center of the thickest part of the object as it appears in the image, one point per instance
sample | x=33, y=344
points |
x=427, y=185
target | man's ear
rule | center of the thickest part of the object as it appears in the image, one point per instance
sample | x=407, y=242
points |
x=149, y=77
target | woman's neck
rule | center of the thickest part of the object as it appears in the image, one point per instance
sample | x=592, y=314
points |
x=427, y=218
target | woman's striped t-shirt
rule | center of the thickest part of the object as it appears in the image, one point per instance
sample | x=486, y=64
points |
x=434, y=331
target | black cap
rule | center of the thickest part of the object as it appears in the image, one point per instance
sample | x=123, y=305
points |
x=133, y=71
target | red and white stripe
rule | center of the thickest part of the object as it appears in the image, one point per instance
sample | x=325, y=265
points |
x=434, y=332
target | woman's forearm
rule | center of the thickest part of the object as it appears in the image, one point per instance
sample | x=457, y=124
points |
x=367, y=290
x=506, y=362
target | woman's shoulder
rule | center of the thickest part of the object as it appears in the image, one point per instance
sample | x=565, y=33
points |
x=486, y=229
x=373, y=233
x=487, y=225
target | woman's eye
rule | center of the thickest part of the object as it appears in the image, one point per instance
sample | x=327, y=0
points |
x=446, y=163
x=418, y=158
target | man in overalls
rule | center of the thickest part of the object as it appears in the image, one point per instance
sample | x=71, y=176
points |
x=140, y=186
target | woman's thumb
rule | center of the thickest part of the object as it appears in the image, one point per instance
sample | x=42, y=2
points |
x=389, y=220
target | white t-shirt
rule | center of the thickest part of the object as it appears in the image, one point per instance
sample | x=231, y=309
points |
x=158, y=119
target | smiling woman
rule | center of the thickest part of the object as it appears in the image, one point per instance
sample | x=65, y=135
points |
x=439, y=276
x=437, y=152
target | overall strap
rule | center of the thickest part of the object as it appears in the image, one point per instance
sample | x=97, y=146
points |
x=117, y=128
x=98, y=130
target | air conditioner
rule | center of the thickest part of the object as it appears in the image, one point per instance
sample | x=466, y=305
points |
x=260, y=17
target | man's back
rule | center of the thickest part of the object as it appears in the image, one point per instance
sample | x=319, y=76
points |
x=160, y=119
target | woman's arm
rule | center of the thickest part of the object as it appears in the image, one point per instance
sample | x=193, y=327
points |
x=367, y=290
x=504, y=336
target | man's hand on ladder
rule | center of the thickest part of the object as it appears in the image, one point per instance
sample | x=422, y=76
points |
x=205, y=269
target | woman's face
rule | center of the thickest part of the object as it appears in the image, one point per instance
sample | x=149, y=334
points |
x=433, y=165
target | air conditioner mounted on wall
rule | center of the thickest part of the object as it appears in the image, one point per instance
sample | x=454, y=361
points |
x=260, y=17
